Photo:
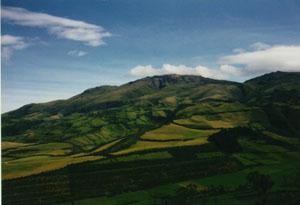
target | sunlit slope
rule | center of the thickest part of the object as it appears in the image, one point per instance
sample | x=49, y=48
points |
x=102, y=114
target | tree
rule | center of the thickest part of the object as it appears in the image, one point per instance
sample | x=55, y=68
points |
x=262, y=184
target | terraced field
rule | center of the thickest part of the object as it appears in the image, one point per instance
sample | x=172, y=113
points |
x=28, y=159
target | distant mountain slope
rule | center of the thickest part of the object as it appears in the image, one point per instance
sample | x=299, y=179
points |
x=278, y=94
x=281, y=87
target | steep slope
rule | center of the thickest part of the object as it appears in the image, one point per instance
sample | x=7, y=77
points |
x=276, y=87
x=278, y=94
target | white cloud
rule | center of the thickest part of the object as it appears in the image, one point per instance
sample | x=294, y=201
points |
x=148, y=70
x=238, y=66
x=77, y=53
x=258, y=46
x=15, y=41
x=89, y=34
x=284, y=58
x=9, y=44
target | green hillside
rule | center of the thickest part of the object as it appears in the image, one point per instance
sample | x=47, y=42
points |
x=153, y=137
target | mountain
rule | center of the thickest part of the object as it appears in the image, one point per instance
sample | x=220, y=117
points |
x=109, y=112
x=170, y=117
x=141, y=104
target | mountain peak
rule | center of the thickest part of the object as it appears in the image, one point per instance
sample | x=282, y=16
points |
x=160, y=81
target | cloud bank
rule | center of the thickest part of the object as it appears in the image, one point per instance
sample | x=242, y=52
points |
x=243, y=64
x=223, y=72
x=9, y=44
x=65, y=28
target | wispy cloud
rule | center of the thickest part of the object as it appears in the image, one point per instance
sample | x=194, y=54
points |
x=87, y=33
x=258, y=46
x=77, y=53
x=238, y=50
x=9, y=44
x=243, y=64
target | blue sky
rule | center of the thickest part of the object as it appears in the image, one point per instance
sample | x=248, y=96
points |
x=80, y=44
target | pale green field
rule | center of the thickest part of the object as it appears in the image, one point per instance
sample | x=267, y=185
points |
x=136, y=157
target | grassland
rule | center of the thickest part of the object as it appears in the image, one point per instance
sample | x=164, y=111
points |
x=168, y=136
x=26, y=166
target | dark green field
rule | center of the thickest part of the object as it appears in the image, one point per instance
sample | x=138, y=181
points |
x=160, y=140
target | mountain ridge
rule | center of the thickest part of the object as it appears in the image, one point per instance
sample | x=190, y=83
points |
x=159, y=81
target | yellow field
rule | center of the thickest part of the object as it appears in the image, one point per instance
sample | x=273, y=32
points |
x=9, y=145
x=38, y=164
x=150, y=145
x=216, y=121
x=175, y=132
x=26, y=150
x=104, y=147
x=39, y=158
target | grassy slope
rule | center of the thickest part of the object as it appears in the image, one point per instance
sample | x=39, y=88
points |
x=145, y=120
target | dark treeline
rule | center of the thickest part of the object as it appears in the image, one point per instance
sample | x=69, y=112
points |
x=258, y=189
